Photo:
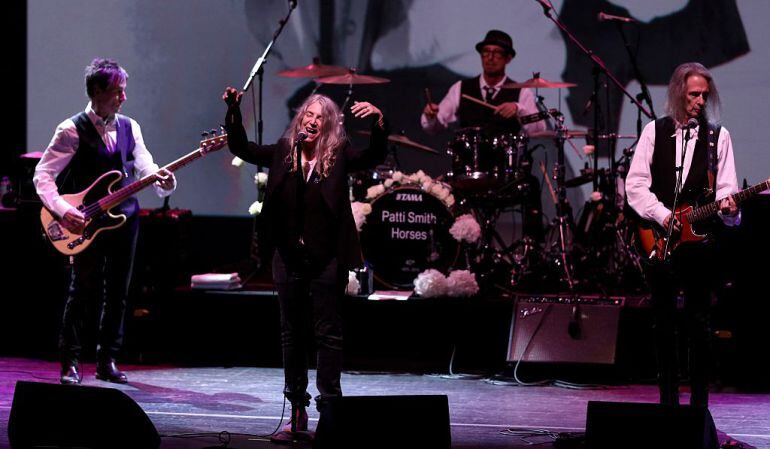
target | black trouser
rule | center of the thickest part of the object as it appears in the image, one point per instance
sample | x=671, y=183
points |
x=691, y=271
x=100, y=276
x=310, y=310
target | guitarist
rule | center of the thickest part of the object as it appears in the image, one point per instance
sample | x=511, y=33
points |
x=708, y=171
x=84, y=147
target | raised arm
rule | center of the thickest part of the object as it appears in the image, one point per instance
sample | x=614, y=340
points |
x=237, y=141
x=375, y=154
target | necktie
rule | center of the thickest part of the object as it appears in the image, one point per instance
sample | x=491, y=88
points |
x=305, y=170
x=490, y=92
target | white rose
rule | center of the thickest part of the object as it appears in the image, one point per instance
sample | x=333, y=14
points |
x=596, y=196
x=388, y=183
x=237, y=162
x=397, y=176
x=588, y=149
x=260, y=179
x=255, y=208
x=375, y=191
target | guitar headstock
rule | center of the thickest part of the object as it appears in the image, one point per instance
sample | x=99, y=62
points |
x=212, y=141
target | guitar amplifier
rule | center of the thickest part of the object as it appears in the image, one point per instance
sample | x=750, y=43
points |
x=564, y=329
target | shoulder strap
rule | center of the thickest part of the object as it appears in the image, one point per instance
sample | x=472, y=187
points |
x=712, y=141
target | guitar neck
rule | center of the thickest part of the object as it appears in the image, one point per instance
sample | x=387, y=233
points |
x=711, y=209
x=118, y=196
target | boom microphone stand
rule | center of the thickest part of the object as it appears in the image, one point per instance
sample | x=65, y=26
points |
x=258, y=70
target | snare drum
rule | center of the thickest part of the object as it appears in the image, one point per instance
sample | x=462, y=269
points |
x=406, y=233
x=482, y=162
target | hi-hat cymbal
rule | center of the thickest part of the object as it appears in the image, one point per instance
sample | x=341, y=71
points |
x=404, y=141
x=538, y=83
x=352, y=78
x=314, y=70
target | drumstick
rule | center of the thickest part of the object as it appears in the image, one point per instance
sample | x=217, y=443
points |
x=428, y=98
x=477, y=101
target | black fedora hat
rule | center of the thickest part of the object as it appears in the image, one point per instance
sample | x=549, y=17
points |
x=499, y=38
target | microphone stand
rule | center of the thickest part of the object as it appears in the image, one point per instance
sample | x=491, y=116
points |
x=645, y=94
x=592, y=56
x=679, y=176
x=258, y=68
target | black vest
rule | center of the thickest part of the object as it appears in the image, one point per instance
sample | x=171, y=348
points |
x=319, y=229
x=472, y=114
x=92, y=159
x=664, y=163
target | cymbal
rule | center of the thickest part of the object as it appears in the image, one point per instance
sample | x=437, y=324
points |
x=352, y=78
x=398, y=139
x=550, y=134
x=314, y=70
x=538, y=83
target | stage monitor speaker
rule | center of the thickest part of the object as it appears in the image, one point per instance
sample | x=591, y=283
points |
x=564, y=330
x=51, y=415
x=379, y=422
x=636, y=425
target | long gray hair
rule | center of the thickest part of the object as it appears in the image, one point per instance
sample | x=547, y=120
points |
x=676, y=100
x=332, y=135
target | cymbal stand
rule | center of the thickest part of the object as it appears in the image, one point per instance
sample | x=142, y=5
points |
x=562, y=207
x=347, y=97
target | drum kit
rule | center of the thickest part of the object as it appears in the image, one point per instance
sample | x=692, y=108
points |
x=490, y=174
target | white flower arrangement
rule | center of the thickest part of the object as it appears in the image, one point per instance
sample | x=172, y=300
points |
x=255, y=208
x=432, y=283
x=419, y=179
x=354, y=287
x=462, y=283
x=360, y=211
x=260, y=179
x=236, y=162
x=466, y=228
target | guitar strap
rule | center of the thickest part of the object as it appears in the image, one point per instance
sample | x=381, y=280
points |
x=712, y=140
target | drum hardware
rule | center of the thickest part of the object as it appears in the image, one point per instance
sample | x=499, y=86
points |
x=538, y=83
x=404, y=141
x=313, y=70
x=406, y=233
x=349, y=79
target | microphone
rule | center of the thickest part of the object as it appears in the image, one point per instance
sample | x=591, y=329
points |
x=603, y=17
x=692, y=123
x=302, y=135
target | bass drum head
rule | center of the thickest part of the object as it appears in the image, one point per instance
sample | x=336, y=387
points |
x=406, y=233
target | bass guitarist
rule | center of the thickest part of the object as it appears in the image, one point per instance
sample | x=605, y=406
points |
x=84, y=147
x=685, y=140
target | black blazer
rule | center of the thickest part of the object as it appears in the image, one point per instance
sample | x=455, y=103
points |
x=334, y=188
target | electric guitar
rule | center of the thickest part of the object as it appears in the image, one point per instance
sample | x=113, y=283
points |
x=98, y=199
x=694, y=225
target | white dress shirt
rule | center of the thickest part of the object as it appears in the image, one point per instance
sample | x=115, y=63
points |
x=63, y=146
x=639, y=178
x=450, y=104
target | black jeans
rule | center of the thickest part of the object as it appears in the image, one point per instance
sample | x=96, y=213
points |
x=100, y=276
x=310, y=299
x=691, y=271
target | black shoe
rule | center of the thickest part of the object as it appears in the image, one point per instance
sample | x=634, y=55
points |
x=70, y=375
x=109, y=372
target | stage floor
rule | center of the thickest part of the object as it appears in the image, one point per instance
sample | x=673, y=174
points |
x=247, y=402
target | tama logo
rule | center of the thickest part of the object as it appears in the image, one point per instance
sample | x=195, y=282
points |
x=415, y=197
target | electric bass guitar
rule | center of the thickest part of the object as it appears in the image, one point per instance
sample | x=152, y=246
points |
x=98, y=199
x=695, y=226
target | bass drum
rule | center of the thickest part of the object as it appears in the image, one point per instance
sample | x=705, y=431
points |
x=406, y=233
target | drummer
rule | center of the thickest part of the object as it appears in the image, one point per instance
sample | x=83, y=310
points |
x=496, y=52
